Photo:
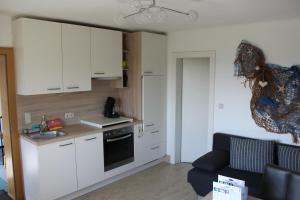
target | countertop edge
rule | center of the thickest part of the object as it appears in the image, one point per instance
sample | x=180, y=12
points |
x=78, y=130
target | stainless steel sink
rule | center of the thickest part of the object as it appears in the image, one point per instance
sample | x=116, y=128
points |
x=48, y=135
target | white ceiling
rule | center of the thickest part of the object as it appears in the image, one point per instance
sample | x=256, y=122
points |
x=105, y=12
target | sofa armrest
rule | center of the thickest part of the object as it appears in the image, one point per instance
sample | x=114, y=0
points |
x=212, y=161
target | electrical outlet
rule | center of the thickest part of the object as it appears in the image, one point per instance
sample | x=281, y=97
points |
x=27, y=117
x=69, y=115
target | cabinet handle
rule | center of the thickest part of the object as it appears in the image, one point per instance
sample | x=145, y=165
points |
x=148, y=72
x=99, y=73
x=155, y=132
x=156, y=147
x=90, y=139
x=148, y=125
x=63, y=145
x=53, y=89
x=75, y=87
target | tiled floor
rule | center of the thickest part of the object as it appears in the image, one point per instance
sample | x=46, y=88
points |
x=161, y=182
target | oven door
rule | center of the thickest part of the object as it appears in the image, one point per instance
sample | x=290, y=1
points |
x=118, y=151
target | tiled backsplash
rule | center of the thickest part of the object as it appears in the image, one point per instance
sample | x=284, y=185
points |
x=82, y=104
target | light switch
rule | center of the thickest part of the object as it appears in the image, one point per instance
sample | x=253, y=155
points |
x=27, y=117
x=221, y=106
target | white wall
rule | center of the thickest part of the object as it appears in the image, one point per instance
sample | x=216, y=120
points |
x=5, y=31
x=280, y=41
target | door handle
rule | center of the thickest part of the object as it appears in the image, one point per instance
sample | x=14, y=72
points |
x=99, y=73
x=155, y=132
x=51, y=89
x=118, y=139
x=89, y=139
x=156, y=147
x=74, y=87
x=63, y=145
x=148, y=125
x=148, y=72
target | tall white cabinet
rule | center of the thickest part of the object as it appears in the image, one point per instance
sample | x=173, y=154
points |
x=152, y=67
x=76, y=49
x=38, y=56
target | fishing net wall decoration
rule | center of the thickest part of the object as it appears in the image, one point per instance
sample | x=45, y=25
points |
x=275, y=102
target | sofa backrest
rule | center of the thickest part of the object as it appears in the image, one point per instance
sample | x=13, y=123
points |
x=221, y=141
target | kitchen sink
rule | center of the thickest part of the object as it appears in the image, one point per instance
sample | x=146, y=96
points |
x=47, y=135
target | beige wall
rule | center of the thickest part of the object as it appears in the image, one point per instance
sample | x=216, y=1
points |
x=56, y=105
x=5, y=31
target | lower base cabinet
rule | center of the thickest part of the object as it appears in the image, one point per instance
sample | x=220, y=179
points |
x=50, y=170
x=148, y=151
x=58, y=169
x=89, y=159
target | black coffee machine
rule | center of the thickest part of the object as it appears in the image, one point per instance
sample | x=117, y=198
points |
x=110, y=107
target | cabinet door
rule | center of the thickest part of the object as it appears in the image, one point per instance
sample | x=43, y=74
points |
x=38, y=56
x=144, y=152
x=153, y=54
x=89, y=159
x=153, y=102
x=57, y=169
x=76, y=46
x=106, y=53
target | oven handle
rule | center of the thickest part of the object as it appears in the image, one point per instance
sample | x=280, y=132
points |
x=118, y=139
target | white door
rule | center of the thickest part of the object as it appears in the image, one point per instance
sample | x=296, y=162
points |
x=106, y=53
x=153, y=53
x=76, y=47
x=38, y=56
x=57, y=169
x=89, y=159
x=195, y=96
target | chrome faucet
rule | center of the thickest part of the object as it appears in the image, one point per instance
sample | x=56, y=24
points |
x=43, y=125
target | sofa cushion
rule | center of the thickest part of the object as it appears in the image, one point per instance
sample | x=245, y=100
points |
x=250, y=154
x=289, y=157
x=212, y=161
x=293, y=191
x=252, y=180
x=274, y=184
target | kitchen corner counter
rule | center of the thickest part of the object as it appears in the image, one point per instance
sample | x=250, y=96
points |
x=77, y=130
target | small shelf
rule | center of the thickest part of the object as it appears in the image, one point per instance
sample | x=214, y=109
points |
x=125, y=51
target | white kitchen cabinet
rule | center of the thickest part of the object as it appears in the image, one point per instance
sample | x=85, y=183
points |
x=106, y=49
x=38, y=56
x=76, y=49
x=49, y=170
x=57, y=169
x=145, y=153
x=154, y=50
x=89, y=159
x=153, y=102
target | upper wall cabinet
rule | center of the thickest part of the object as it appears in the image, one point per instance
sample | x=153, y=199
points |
x=106, y=53
x=76, y=47
x=51, y=57
x=38, y=56
x=153, y=53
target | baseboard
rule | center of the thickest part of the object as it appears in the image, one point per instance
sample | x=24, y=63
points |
x=111, y=180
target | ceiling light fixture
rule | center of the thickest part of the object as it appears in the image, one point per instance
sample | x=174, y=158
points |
x=147, y=11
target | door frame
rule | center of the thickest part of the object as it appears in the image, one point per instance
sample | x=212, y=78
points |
x=177, y=60
x=11, y=135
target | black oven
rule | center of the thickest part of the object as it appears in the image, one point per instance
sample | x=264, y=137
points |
x=118, y=147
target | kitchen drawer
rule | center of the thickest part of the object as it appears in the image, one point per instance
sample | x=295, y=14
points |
x=151, y=126
x=154, y=136
x=155, y=151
